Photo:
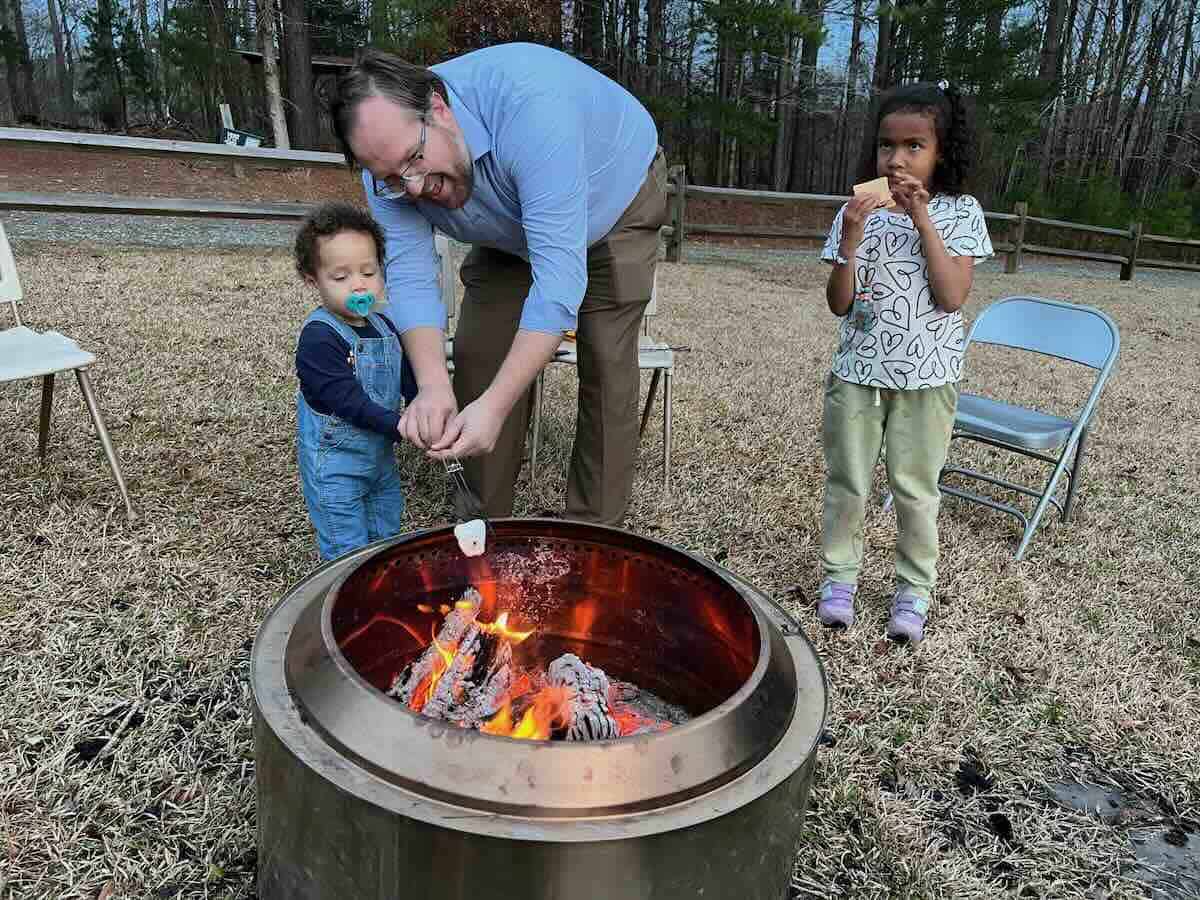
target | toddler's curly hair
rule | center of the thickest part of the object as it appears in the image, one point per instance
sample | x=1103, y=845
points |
x=327, y=220
x=953, y=124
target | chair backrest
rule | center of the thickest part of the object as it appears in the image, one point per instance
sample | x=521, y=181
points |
x=10, y=284
x=441, y=245
x=1080, y=334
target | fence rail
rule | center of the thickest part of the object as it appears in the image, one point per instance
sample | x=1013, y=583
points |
x=1013, y=245
x=191, y=150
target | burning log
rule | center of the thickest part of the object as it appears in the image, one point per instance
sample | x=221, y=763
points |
x=590, y=718
x=465, y=675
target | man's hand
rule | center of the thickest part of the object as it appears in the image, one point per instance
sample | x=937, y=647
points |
x=424, y=420
x=473, y=432
x=911, y=196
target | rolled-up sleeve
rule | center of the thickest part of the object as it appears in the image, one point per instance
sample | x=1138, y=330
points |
x=545, y=139
x=410, y=265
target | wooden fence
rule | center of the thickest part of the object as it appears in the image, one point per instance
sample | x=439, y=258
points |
x=1013, y=245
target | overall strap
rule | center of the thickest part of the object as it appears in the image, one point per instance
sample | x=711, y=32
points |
x=383, y=325
x=321, y=314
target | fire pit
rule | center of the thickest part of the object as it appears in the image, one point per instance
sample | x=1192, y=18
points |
x=361, y=797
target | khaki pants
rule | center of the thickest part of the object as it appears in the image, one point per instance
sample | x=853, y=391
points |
x=917, y=427
x=620, y=270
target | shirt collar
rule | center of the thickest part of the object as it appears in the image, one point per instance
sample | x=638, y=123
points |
x=479, y=140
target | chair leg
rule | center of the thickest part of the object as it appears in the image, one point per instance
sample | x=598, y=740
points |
x=539, y=393
x=85, y=385
x=1074, y=477
x=666, y=432
x=44, y=423
x=1047, y=497
x=649, y=401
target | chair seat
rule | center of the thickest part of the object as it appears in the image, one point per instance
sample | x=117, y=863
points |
x=1015, y=425
x=651, y=354
x=25, y=353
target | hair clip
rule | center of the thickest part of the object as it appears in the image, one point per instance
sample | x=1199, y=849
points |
x=943, y=85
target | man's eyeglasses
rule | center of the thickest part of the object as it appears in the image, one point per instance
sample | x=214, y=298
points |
x=394, y=186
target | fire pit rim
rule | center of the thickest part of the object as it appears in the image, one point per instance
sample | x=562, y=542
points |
x=275, y=708
x=696, y=723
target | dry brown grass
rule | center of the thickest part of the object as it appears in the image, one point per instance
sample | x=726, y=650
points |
x=129, y=643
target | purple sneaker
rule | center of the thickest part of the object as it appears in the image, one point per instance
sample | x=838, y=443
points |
x=909, y=612
x=836, y=609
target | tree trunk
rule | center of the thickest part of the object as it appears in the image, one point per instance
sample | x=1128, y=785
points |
x=633, y=27
x=880, y=79
x=655, y=29
x=161, y=68
x=229, y=84
x=1135, y=167
x=28, y=99
x=297, y=50
x=1049, y=75
x=66, y=103
x=783, y=90
x=1178, y=119
x=266, y=40
x=1079, y=70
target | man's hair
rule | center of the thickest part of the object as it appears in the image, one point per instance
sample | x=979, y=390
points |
x=379, y=74
x=327, y=220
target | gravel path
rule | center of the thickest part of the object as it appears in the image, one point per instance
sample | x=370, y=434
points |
x=155, y=231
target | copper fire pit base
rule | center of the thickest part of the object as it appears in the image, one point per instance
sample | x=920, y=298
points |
x=343, y=816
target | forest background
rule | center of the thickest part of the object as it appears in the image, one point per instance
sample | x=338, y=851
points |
x=1089, y=110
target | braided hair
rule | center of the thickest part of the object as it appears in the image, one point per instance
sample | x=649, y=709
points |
x=953, y=125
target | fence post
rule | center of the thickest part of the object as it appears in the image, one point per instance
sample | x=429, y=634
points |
x=1012, y=263
x=1135, y=244
x=678, y=176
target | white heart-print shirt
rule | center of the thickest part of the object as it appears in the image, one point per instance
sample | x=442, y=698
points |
x=898, y=338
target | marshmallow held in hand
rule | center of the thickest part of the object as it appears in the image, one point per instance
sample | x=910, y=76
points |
x=360, y=303
x=472, y=537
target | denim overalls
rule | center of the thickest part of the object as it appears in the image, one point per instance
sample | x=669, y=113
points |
x=351, y=481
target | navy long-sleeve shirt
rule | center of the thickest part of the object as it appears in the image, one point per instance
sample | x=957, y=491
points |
x=328, y=383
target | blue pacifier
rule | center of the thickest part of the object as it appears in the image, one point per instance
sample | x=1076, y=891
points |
x=360, y=303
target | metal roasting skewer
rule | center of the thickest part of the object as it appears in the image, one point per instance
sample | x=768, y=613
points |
x=454, y=470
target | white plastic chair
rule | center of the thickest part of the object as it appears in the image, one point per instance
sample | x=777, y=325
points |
x=446, y=278
x=25, y=353
x=653, y=355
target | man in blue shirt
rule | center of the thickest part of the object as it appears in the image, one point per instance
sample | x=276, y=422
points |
x=553, y=172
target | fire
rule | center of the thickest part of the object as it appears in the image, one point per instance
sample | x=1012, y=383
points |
x=441, y=664
x=551, y=709
x=500, y=627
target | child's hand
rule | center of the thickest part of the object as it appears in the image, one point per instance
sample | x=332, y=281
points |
x=854, y=219
x=911, y=195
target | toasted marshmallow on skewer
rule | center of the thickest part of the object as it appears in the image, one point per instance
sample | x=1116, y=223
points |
x=472, y=537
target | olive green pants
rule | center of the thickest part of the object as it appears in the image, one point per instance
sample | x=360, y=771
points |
x=916, y=425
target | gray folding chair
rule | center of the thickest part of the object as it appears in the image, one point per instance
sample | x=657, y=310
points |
x=1079, y=334
x=25, y=353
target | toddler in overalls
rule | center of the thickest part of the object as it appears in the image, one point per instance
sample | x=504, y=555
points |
x=350, y=365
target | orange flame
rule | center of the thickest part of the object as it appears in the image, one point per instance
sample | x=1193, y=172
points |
x=424, y=692
x=551, y=709
x=500, y=627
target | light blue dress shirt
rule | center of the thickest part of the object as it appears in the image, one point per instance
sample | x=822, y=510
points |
x=559, y=153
